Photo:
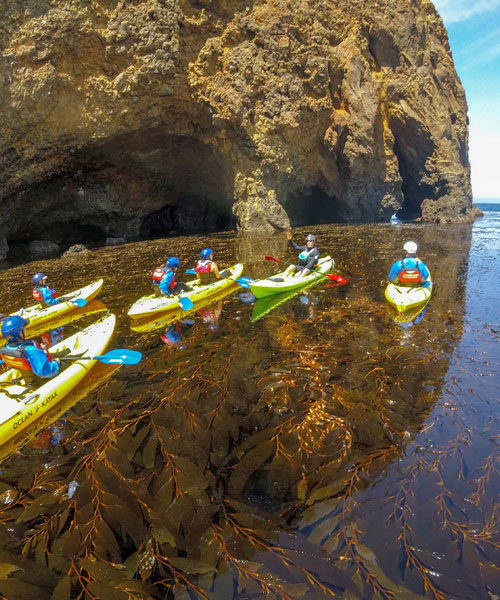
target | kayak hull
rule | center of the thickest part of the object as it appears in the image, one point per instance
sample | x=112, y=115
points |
x=150, y=305
x=20, y=407
x=38, y=315
x=279, y=283
x=407, y=298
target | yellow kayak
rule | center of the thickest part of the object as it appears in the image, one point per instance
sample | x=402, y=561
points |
x=20, y=406
x=406, y=298
x=147, y=306
x=38, y=314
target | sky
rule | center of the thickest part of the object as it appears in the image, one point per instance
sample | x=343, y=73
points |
x=474, y=32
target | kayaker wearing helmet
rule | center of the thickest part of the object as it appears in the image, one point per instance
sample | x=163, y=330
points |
x=28, y=356
x=168, y=285
x=42, y=292
x=206, y=269
x=410, y=271
x=308, y=257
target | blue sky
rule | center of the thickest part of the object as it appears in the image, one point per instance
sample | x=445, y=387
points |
x=474, y=32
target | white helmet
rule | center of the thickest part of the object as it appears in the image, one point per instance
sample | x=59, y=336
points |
x=410, y=247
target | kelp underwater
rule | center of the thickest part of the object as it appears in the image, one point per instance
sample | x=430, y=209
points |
x=324, y=451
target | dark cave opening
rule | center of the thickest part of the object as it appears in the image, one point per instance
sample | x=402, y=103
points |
x=315, y=207
x=412, y=147
x=139, y=185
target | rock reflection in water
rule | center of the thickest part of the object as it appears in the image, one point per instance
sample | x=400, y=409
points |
x=291, y=457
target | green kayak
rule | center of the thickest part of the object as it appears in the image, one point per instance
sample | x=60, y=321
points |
x=279, y=283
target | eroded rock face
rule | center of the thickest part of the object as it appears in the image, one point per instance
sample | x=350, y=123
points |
x=121, y=118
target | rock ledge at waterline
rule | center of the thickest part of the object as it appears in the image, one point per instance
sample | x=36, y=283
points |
x=134, y=117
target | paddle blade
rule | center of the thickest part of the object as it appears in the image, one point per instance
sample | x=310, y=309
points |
x=79, y=302
x=185, y=303
x=244, y=282
x=191, y=272
x=120, y=356
x=272, y=258
x=339, y=280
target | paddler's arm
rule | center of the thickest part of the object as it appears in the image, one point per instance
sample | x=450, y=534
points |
x=293, y=244
x=165, y=283
x=40, y=363
x=47, y=296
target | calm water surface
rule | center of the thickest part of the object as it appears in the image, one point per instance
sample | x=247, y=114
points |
x=320, y=447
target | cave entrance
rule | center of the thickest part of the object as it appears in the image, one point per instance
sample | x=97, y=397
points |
x=412, y=147
x=315, y=207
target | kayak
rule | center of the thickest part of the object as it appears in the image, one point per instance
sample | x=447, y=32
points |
x=20, y=406
x=91, y=308
x=157, y=321
x=405, y=298
x=38, y=314
x=149, y=305
x=410, y=317
x=279, y=283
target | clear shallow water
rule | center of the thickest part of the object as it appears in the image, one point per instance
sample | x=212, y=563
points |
x=325, y=448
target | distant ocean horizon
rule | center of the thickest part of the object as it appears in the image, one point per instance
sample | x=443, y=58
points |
x=488, y=205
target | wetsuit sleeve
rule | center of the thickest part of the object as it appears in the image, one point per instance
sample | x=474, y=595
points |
x=165, y=283
x=41, y=365
x=47, y=296
x=395, y=271
x=312, y=260
x=296, y=246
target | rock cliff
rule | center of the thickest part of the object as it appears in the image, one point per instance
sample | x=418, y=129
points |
x=129, y=117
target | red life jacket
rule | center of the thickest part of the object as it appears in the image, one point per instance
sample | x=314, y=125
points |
x=15, y=357
x=410, y=276
x=204, y=266
x=37, y=294
x=158, y=274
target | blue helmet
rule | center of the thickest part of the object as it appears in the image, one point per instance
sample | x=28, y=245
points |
x=174, y=262
x=12, y=327
x=38, y=277
x=206, y=252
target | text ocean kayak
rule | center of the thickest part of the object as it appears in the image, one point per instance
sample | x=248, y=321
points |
x=405, y=298
x=149, y=305
x=20, y=406
x=279, y=283
x=38, y=315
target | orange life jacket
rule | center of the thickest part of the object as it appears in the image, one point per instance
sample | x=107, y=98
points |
x=15, y=358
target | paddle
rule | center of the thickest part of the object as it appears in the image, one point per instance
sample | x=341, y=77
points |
x=185, y=303
x=337, y=278
x=241, y=281
x=120, y=356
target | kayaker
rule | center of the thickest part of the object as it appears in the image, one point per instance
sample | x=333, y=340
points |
x=308, y=257
x=26, y=355
x=168, y=286
x=410, y=271
x=42, y=292
x=206, y=269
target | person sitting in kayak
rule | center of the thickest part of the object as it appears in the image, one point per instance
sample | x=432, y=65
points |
x=28, y=356
x=42, y=292
x=410, y=271
x=168, y=286
x=308, y=257
x=206, y=269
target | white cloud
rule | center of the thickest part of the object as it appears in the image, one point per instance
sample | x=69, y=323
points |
x=455, y=11
x=482, y=51
x=484, y=143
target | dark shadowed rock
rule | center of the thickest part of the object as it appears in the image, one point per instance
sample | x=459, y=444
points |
x=112, y=241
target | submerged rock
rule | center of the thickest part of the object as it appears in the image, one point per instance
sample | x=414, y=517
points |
x=206, y=116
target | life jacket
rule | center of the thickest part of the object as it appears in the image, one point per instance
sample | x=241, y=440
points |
x=410, y=277
x=14, y=356
x=304, y=256
x=204, y=266
x=158, y=274
x=37, y=294
x=204, y=270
